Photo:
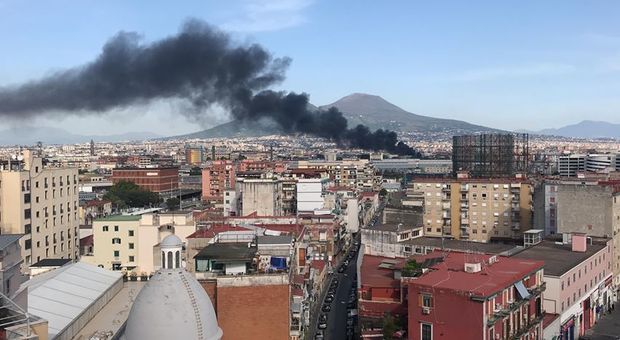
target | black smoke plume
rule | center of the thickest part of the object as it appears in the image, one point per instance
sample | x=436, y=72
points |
x=200, y=65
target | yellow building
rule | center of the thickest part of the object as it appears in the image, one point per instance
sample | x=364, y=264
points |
x=126, y=242
x=40, y=202
x=474, y=209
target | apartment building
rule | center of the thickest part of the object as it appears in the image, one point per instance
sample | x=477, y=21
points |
x=560, y=208
x=217, y=177
x=262, y=196
x=132, y=242
x=484, y=297
x=357, y=174
x=311, y=193
x=474, y=209
x=41, y=202
x=578, y=278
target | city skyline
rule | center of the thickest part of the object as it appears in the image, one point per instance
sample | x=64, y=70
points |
x=560, y=70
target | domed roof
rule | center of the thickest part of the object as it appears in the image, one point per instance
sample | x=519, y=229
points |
x=171, y=241
x=172, y=305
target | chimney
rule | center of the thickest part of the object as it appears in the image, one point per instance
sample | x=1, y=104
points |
x=579, y=242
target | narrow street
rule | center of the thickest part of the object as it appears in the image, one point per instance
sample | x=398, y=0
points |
x=337, y=317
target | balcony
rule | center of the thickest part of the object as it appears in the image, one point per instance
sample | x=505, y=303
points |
x=527, y=327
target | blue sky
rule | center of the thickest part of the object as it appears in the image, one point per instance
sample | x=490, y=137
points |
x=525, y=64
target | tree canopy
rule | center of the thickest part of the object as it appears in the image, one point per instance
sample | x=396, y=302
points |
x=128, y=194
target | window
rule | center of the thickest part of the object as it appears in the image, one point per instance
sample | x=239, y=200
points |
x=130, y=232
x=116, y=240
x=426, y=331
x=427, y=300
x=115, y=228
x=105, y=228
x=28, y=244
x=131, y=259
x=117, y=253
x=131, y=246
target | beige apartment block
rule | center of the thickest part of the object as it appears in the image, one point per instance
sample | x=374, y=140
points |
x=131, y=243
x=41, y=202
x=474, y=209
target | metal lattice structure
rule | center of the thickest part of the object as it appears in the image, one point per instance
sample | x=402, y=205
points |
x=491, y=155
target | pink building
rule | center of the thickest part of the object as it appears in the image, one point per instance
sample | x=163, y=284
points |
x=578, y=274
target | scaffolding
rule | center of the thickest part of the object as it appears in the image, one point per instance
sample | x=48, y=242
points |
x=491, y=155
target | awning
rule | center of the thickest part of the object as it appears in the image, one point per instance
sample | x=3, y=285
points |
x=522, y=290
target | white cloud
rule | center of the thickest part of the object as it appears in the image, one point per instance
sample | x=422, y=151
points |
x=513, y=71
x=269, y=15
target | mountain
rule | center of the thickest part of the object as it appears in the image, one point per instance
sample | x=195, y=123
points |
x=263, y=127
x=376, y=112
x=50, y=135
x=358, y=108
x=585, y=129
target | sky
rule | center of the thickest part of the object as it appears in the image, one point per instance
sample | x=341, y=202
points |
x=509, y=65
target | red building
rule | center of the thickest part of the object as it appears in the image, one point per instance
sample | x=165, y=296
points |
x=159, y=180
x=380, y=290
x=217, y=177
x=474, y=296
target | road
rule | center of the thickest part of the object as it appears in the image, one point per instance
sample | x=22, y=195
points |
x=337, y=319
x=607, y=328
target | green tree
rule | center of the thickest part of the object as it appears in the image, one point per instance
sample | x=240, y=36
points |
x=410, y=268
x=173, y=203
x=389, y=326
x=128, y=194
x=383, y=192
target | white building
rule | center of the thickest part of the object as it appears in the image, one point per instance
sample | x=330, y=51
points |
x=132, y=242
x=310, y=194
x=600, y=162
x=571, y=165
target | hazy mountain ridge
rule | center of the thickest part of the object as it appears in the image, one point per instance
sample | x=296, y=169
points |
x=51, y=135
x=584, y=129
x=358, y=108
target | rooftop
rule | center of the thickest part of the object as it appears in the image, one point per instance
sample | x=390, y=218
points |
x=216, y=229
x=227, y=251
x=559, y=258
x=51, y=262
x=372, y=275
x=62, y=295
x=459, y=245
x=450, y=273
x=119, y=218
x=394, y=227
x=269, y=239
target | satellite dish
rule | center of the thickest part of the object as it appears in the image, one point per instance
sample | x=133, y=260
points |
x=20, y=158
x=13, y=157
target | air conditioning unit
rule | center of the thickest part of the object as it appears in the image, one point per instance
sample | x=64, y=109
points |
x=472, y=267
x=426, y=310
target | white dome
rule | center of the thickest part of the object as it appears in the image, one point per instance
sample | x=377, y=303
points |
x=172, y=305
x=171, y=241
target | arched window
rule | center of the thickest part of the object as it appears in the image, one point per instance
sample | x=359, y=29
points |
x=177, y=259
x=169, y=260
x=163, y=259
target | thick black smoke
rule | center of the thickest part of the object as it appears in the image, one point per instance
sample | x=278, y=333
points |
x=200, y=65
